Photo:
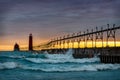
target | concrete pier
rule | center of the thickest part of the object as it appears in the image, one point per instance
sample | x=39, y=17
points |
x=110, y=55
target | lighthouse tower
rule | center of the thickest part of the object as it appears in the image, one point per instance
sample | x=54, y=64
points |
x=30, y=42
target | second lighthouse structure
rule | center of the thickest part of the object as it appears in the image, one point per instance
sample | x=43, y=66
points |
x=30, y=42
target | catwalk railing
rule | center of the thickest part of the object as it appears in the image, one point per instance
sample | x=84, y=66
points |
x=86, y=37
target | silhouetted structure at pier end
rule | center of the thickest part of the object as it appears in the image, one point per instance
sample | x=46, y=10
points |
x=16, y=47
x=30, y=42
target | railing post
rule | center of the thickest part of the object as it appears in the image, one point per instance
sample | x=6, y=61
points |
x=114, y=36
x=107, y=35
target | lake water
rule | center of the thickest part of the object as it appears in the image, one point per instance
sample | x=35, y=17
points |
x=15, y=65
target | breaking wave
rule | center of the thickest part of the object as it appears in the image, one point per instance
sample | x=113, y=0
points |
x=85, y=60
x=62, y=58
x=52, y=62
x=61, y=68
x=95, y=67
x=8, y=65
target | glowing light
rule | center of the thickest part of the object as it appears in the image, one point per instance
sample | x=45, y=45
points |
x=66, y=45
x=88, y=44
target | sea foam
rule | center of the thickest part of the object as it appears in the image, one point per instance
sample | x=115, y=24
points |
x=62, y=58
x=8, y=65
x=69, y=68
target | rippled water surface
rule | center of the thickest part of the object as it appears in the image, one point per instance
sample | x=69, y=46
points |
x=34, y=66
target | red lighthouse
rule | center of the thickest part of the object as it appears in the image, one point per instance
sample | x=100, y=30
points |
x=30, y=42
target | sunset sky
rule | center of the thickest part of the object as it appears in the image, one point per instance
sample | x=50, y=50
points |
x=46, y=19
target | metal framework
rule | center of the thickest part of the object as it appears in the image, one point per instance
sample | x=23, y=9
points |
x=92, y=36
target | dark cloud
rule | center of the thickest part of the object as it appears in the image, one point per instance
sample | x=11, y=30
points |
x=55, y=16
x=4, y=8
